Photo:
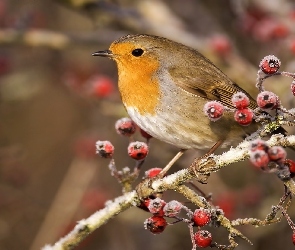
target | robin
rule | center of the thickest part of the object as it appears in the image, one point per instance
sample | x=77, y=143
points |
x=164, y=86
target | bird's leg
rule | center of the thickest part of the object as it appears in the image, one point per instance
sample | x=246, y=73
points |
x=212, y=150
x=197, y=161
x=169, y=165
x=180, y=153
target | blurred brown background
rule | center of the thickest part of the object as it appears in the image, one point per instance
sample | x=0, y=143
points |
x=56, y=101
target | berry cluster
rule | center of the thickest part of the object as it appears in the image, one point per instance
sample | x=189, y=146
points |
x=261, y=156
x=88, y=85
x=242, y=113
x=136, y=149
x=269, y=108
x=257, y=22
x=161, y=210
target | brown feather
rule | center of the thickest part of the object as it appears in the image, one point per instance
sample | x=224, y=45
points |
x=210, y=82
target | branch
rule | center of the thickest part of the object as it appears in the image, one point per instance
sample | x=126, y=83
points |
x=87, y=226
x=198, y=169
x=209, y=164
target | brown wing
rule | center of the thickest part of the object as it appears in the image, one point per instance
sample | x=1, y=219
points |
x=204, y=79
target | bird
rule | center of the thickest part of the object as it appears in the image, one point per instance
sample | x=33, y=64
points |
x=164, y=86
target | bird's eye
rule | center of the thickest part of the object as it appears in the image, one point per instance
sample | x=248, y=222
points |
x=137, y=52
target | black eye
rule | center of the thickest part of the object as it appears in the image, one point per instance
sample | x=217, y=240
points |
x=137, y=52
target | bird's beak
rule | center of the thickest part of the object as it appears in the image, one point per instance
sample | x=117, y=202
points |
x=106, y=53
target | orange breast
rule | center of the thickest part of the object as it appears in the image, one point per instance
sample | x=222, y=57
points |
x=138, y=84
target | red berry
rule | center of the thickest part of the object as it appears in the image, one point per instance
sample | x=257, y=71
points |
x=172, y=208
x=280, y=30
x=145, y=134
x=145, y=203
x=100, y=86
x=277, y=154
x=267, y=100
x=291, y=165
x=258, y=144
x=227, y=202
x=240, y=100
x=244, y=116
x=152, y=172
x=259, y=158
x=203, y=238
x=155, y=224
x=263, y=30
x=201, y=217
x=138, y=150
x=105, y=149
x=156, y=206
x=270, y=64
x=125, y=126
x=214, y=110
x=220, y=45
x=293, y=87
x=293, y=237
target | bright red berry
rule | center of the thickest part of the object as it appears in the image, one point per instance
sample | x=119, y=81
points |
x=293, y=237
x=201, y=217
x=277, y=154
x=258, y=144
x=101, y=86
x=259, y=158
x=172, y=208
x=240, y=100
x=293, y=87
x=125, y=126
x=244, y=116
x=267, y=100
x=138, y=150
x=105, y=149
x=291, y=165
x=270, y=64
x=156, y=206
x=203, y=238
x=152, y=172
x=155, y=224
x=145, y=134
x=214, y=110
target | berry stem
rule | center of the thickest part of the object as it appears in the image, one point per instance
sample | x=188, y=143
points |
x=261, y=78
x=288, y=74
x=202, y=193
